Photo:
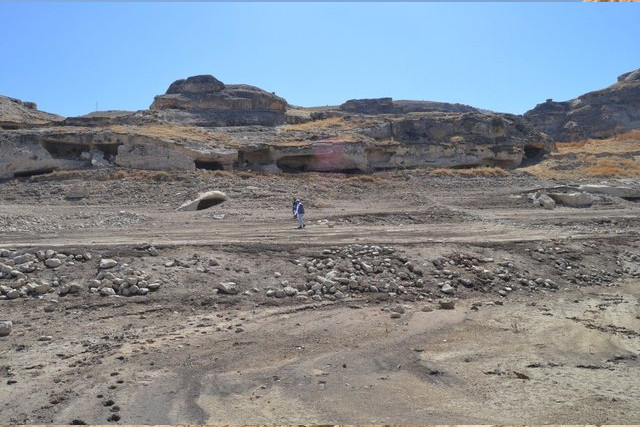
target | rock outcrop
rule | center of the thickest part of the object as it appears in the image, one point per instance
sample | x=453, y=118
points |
x=598, y=114
x=202, y=123
x=17, y=114
x=23, y=155
x=389, y=106
x=574, y=199
x=206, y=101
x=139, y=156
x=629, y=193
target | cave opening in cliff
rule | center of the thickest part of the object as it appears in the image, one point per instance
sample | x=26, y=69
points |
x=64, y=150
x=532, y=155
x=294, y=164
x=208, y=165
x=109, y=151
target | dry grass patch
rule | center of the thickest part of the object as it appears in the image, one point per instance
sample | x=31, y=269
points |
x=623, y=143
x=483, y=171
x=614, y=167
x=59, y=175
x=364, y=178
x=331, y=123
x=221, y=173
x=611, y=157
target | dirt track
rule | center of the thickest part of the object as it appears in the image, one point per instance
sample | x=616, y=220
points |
x=565, y=353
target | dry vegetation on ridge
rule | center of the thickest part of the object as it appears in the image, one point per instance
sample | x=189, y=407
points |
x=616, y=157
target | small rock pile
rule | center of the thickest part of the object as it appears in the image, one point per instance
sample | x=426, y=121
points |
x=573, y=266
x=17, y=270
x=77, y=220
x=23, y=275
x=630, y=262
x=341, y=272
x=116, y=278
x=464, y=271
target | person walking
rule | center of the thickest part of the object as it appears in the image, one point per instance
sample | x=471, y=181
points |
x=299, y=213
x=293, y=208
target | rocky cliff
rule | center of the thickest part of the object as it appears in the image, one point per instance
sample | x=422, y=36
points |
x=599, y=114
x=202, y=123
x=17, y=114
x=206, y=101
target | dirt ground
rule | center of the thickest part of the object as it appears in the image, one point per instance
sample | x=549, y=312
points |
x=342, y=322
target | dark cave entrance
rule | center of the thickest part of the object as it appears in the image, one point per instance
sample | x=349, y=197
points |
x=208, y=165
x=532, y=155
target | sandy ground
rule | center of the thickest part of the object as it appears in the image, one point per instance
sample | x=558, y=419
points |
x=560, y=346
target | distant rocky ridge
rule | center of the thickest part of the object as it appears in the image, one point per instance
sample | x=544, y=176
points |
x=17, y=114
x=202, y=123
x=389, y=106
x=599, y=114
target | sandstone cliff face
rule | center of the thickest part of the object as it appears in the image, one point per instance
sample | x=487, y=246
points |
x=16, y=114
x=201, y=123
x=22, y=154
x=361, y=142
x=206, y=101
x=598, y=114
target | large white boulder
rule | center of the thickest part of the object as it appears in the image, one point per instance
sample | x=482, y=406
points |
x=574, y=200
x=543, y=201
x=204, y=201
x=622, y=192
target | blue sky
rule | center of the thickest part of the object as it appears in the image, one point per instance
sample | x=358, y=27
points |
x=502, y=56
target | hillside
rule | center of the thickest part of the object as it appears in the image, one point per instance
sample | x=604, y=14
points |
x=203, y=123
x=17, y=114
x=598, y=114
x=616, y=157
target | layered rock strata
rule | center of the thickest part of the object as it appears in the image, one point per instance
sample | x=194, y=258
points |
x=206, y=101
x=599, y=114
x=17, y=114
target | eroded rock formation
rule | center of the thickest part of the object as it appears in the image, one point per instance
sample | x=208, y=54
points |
x=17, y=114
x=599, y=114
x=206, y=101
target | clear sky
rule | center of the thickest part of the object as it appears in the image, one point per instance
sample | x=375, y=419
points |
x=501, y=56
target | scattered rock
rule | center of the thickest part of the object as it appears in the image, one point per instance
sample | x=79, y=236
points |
x=107, y=291
x=228, y=288
x=53, y=262
x=446, y=304
x=5, y=328
x=106, y=263
x=448, y=289
x=544, y=201
x=77, y=192
x=622, y=192
x=575, y=200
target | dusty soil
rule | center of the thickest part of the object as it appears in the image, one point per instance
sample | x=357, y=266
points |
x=545, y=329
